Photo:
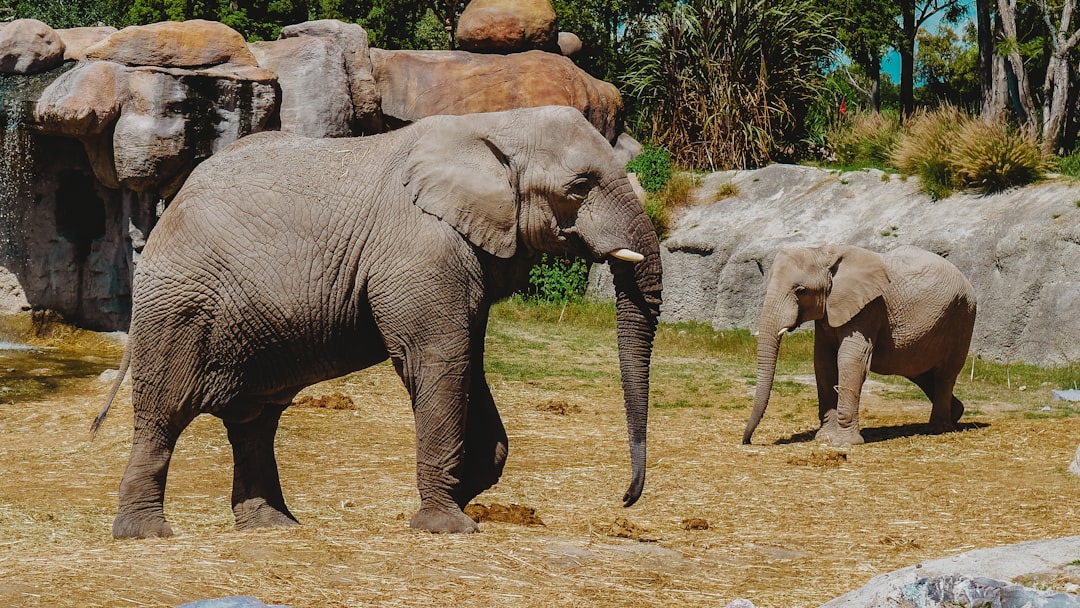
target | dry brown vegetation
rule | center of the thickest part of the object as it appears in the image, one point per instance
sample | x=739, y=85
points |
x=785, y=522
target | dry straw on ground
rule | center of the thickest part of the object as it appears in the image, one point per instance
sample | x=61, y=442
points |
x=786, y=522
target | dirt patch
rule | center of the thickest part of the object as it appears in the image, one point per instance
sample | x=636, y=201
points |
x=819, y=459
x=559, y=407
x=333, y=401
x=624, y=528
x=507, y=514
x=695, y=523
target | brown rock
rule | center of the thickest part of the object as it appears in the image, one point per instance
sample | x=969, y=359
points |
x=569, y=44
x=184, y=44
x=28, y=46
x=507, y=26
x=85, y=100
x=78, y=39
x=172, y=119
x=415, y=84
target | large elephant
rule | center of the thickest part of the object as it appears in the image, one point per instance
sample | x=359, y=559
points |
x=284, y=261
x=908, y=312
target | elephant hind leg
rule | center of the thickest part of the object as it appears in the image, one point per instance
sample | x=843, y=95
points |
x=946, y=409
x=257, y=500
x=142, y=489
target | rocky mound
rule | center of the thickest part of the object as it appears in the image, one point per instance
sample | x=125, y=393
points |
x=1019, y=249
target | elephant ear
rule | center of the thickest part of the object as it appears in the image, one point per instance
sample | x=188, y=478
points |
x=858, y=278
x=458, y=175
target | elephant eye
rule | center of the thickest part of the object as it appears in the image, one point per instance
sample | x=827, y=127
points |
x=579, y=188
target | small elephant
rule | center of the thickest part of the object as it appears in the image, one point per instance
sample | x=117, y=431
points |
x=284, y=261
x=908, y=312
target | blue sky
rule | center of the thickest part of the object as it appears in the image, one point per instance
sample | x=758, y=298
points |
x=891, y=63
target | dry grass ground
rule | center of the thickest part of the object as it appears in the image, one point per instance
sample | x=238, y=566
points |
x=790, y=523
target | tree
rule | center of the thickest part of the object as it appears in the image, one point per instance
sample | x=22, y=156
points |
x=726, y=83
x=1063, y=39
x=947, y=67
x=608, y=29
x=867, y=31
x=914, y=14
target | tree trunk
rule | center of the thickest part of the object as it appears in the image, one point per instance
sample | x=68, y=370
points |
x=874, y=73
x=1016, y=74
x=907, y=59
x=986, y=55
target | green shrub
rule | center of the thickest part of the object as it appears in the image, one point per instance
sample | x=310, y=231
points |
x=1068, y=165
x=558, y=279
x=924, y=147
x=867, y=140
x=653, y=168
x=658, y=213
x=992, y=157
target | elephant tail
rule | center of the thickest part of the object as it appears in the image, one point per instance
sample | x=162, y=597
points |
x=124, y=364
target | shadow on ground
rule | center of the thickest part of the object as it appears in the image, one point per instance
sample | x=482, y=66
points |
x=875, y=434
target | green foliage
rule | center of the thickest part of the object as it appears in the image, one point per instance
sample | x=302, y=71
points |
x=948, y=68
x=558, y=279
x=865, y=139
x=652, y=167
x=607, y=29
x=62, y=14
x=725, y=83
x=1068, y=165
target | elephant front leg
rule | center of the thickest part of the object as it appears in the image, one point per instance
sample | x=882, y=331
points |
x=257, y=500
x=486, y=443
x=827, y=379
x=853, y=363
x=439, y=406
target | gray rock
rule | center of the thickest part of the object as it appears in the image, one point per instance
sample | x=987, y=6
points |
x=985, y=572
x=1066, y=395
x=235, y=601
x=315, y=99
x=959, y=590
x=1074, y=467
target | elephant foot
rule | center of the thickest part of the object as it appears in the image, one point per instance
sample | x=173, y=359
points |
x=132, y=525
x=443, y=520
x=839, y=436
x=940, y=428
x=256, y=513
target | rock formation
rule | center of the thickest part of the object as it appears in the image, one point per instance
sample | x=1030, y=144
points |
x=99, y=127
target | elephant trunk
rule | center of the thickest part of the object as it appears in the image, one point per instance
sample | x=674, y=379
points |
x=771, y=328
x=638, y=290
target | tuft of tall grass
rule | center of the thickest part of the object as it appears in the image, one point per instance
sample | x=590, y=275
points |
x=924, y=147
x=991, y=157
x=867, y=140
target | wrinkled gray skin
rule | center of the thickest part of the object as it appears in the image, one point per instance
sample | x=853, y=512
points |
x=285, y=261
x=908, y=312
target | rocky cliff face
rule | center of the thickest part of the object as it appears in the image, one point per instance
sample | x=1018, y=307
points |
x=1019, y=249
x=99, y=128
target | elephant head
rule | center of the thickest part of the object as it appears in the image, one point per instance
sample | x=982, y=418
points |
x=830, y=284
x=545, y=180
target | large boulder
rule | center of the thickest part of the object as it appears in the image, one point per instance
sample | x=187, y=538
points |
x=415, y=84
x=507, y=26
x=28, y=46
x=315, y=100
x=78, y=39
x=175, y=44
x=352, y=41
x=985, y=577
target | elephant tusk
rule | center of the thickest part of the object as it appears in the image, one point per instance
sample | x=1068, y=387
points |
x=780, y=334
x=627, y=255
